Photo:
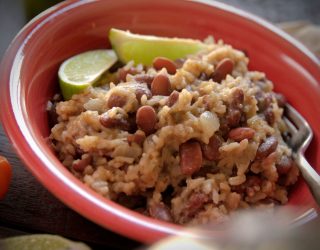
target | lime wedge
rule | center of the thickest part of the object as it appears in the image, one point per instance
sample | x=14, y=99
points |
x=143, y=49
x=83, y=70
x=40, y=242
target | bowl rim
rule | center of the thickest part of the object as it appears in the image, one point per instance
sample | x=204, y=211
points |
x=74, y=194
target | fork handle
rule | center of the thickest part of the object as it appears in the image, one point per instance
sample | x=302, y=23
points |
x=310, y=176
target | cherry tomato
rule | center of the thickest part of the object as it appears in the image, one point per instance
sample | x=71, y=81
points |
x=5, y=176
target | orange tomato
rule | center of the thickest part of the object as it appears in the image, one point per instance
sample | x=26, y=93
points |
x=5, y=176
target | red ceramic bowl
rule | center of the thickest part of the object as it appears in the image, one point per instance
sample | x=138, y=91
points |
x=29, y=79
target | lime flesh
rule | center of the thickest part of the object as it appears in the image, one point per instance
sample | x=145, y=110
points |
x=83, y=70
x=40, y=242
x=144, y=48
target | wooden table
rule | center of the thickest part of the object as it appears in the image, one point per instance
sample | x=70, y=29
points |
x=30, y=208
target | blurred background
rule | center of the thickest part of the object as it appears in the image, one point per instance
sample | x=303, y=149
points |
x=15, y=13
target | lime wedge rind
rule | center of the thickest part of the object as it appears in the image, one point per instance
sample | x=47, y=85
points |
x=83, y=70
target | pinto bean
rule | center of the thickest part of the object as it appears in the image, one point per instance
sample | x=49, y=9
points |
x=237, y=98
x=144, y=78
x=173, y=98
x=233, y=117
x=190, y=157
x=284, y=165
x=267, y=147
x=137, y=137
x=224, y=127
x=223, y=68
x=116, y=101
x=210, y=151
x=161, y=85
x=239, y=134
x=264, y=100
x=269, y=115
x=179, y=62
x=260, y=100
x=160, y=211
x=110, y=122
x=146, y=119
x=163, y=62
x=80, y=164
x=195, y=203
x=140, y=91
x=122, y=74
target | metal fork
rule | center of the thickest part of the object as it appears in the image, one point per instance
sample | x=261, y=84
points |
x=301, y=136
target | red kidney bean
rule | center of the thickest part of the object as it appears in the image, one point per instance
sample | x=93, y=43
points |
x=210, y=151
x=284, y=165
x=80, y=165
x=190, y=157
x=239, y=134
x=267, y=147
x=223, y=68
x=233, y=117
x=116, y=101
x=146, y=119
x=224, y=127
x=144, y=78
x=109, y=122
x=140, y=91
x=137, y=138
x=269, y=115
x=122, y=74
x=161, y=85
x=173, y=98
x=162, y=62
x=195, y=202
x=160, y=211
x=237, y=98
x=264, y=100
x=260, y=99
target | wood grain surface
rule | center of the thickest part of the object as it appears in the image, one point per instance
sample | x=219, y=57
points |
x=29, y=207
